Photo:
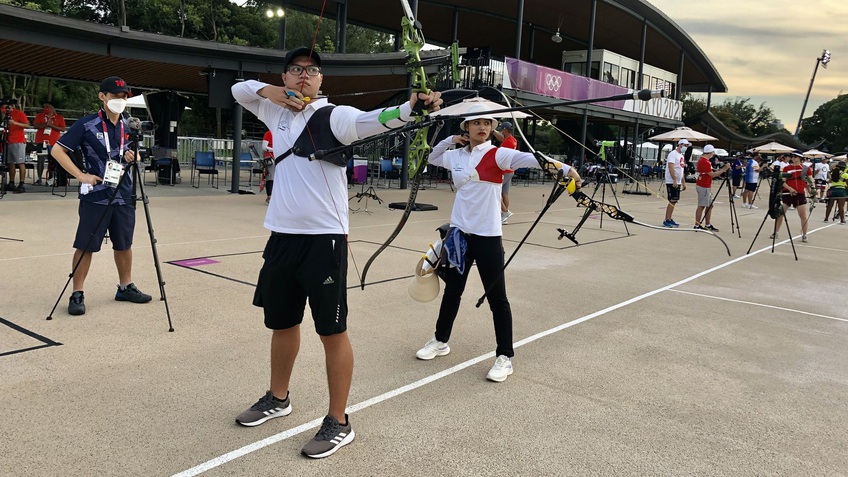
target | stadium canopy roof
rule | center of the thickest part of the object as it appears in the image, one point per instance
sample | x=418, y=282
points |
x=40, y=44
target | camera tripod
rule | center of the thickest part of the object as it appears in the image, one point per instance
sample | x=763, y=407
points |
x=775, y=210
x=138, y=188
x=725, y=181
x=369, y=193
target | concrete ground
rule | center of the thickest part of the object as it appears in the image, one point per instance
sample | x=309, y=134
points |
x=652, y=353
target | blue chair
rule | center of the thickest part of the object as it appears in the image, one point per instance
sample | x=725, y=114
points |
x=388, y=171
x=204, y=164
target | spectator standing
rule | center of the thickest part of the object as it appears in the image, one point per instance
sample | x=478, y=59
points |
x=508, y=140
x=675, y=179
x=49, y=125
x=703, y=187
x=837, y=192
x=821, y=171
x=102, y=138
x=268, y=164
x=737, y=176
x=752, y=179
x=15, y=152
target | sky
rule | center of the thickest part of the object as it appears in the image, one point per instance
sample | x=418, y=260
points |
x=767, y=50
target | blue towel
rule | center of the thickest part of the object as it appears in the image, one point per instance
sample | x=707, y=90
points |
x=456, y=247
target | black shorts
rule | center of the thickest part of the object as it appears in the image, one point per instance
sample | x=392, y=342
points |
x=794, y=200
x=269, y=186
x=119, y=220
x=736, y=180
x=301, y=267
x=751, y=186
x=673, y=192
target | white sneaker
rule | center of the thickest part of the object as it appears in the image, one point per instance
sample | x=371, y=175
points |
x=804, y=238
x=432, y=349
x=752, y=206
x=505, y=216
x=773, y=236
x=737, y=196
x=746, y=206
x=500, y=370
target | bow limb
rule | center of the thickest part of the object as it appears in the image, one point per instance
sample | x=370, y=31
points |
x=615, y=213
x=419, y=148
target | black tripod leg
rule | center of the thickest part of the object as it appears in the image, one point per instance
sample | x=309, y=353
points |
x=791, y=242
x=144, y=200
x=758, y=234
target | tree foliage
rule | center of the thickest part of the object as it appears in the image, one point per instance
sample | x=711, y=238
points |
x=738, y=114
x=829, y=122
x=211, y=20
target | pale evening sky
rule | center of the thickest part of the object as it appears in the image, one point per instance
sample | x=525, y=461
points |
x=767, y=50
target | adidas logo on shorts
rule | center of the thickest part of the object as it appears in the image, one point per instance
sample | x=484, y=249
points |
x=329, y=281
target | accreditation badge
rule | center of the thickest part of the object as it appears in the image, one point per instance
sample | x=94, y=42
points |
x=112, y=176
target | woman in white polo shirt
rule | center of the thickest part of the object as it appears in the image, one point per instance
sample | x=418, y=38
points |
x=475, y=235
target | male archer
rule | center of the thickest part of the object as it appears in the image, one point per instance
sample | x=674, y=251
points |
x=306, y=255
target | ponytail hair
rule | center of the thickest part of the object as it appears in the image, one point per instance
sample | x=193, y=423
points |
x=836, y=173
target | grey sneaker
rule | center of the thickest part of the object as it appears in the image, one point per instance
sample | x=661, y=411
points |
x=804, y=238
x=133, y=294
x=330, y=438
x=268, y=407
x=773, y=236
x=76, y=306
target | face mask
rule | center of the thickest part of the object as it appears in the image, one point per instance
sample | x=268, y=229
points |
x=683, y=149
x=117, y=106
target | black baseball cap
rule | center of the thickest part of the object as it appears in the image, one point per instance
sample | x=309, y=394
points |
x=301, y=51
x=114, y=85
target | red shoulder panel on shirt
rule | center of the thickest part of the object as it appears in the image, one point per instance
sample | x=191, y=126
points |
x=488, y=169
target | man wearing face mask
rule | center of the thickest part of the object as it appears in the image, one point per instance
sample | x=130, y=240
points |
x=675, y=180
x=102, y=138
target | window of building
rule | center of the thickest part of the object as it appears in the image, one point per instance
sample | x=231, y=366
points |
x=628, y=78
x=611, y=73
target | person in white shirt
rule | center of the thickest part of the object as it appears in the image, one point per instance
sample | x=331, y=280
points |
x=476, y=231
x=675, y=179
x=820, y=172
x=306, y=255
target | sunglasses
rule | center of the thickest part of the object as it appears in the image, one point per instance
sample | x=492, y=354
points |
x=297, y=70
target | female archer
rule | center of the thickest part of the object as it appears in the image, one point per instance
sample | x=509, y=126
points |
x=476, y=233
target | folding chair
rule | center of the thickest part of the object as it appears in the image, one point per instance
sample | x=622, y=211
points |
x=204, y=164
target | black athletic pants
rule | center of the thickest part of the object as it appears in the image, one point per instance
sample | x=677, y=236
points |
x=488, y=252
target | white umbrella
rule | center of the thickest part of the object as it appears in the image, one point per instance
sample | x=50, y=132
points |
x=682, y=133
x=840, y=158
x=772, y=148
x=816, y=154
x=460, y=109
x=721, y=152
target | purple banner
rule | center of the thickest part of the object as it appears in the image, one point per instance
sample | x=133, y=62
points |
x=559, y=84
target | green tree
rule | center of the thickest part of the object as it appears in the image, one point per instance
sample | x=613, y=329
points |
x=692, y=106
x=742, y=116
x=829, y=122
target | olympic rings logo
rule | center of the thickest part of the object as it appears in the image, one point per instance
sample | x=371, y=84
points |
x=553, y=82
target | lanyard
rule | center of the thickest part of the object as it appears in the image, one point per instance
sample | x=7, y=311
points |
x=106, y=137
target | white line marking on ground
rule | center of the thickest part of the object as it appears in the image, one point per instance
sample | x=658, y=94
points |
x=242, y=451
x=761, y=304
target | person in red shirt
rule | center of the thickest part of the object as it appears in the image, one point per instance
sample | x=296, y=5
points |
x=15, y=152
x=794, y=187
x=703, y=186
x=268, y=164
x=508, y=140
x=49, y=125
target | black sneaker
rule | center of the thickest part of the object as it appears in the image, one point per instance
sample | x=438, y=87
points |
x=133, y=294
x=20, y=189
x=330, y=438
x=711, y=228
x=699, y=227
x=77, y=304
x=268, y=407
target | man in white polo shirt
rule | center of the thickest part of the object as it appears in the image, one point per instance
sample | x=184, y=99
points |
x=675, y=179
